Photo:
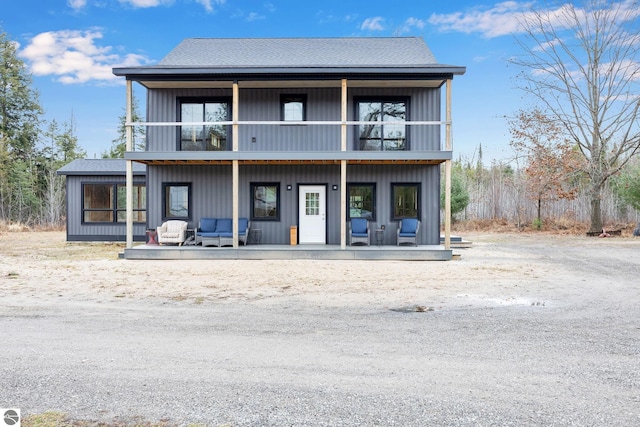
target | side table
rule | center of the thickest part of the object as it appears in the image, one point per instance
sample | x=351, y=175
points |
x=379, y=236
x=151, y=234
x=255, y=236
x=190, y=237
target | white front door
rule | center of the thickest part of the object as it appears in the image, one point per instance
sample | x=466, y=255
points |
x=313, y=212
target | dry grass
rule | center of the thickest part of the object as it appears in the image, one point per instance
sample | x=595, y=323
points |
x=561, y=226
x=20, y=227
x=52, y=245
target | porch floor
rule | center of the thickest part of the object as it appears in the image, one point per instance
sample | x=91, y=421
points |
x=261, y=252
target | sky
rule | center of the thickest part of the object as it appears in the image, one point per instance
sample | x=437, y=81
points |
x=71, y=46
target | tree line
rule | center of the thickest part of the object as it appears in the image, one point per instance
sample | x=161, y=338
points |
x=31, y=149
x=501, y=192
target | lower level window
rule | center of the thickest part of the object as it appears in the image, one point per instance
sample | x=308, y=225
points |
x=265, y=201
x=177, y=201
x=362, y=200
x=107, y=202
x=405, y=200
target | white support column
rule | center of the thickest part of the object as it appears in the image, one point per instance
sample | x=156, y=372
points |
x=129, y=166
x=235, y=166
x=447, y=171
x=343, y=167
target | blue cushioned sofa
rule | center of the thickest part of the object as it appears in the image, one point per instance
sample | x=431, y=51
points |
x=219, y=231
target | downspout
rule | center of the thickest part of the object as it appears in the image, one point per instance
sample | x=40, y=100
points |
x=129, y=163
x=343, y=167
x=447, y=171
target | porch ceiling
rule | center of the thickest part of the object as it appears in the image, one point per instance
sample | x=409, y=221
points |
x=286, y=84
x=157, y=162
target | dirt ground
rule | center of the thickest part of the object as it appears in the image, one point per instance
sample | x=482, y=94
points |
x=523, y=329
x=502, y=267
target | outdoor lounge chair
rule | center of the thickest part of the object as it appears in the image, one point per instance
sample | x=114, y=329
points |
x=408, y=231
x=359, y=231
x=219, y=231
x=226, y=238
x=173, y=231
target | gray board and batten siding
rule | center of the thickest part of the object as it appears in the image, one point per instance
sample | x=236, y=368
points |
x=94, y=171
x=323, y=104
x=211, y=188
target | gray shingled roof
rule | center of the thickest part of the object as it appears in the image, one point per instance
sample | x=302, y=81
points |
x=100, y=167
x=301, y=52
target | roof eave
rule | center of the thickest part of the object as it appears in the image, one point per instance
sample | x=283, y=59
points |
x=177, y=73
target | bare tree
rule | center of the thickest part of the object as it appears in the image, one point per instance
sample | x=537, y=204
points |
x=551, y=161
x=580, y=61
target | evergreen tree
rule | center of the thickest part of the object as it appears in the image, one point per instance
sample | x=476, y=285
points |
x=19, y=120
x=119, y=145
x=459, y=193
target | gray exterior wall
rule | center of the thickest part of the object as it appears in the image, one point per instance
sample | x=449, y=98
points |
x=77, y=231
x=212, y=194
x=322, y=104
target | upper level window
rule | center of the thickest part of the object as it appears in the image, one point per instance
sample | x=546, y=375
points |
x=293, y=108
x=378, y=136
x=107, y=202
x=200, y=137
x=176, y=201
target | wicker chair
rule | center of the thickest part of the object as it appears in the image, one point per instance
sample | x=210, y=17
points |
x=173, y=231
x=359, y=231
x=408, y=231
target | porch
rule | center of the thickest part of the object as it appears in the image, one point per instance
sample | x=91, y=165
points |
x=272, y=252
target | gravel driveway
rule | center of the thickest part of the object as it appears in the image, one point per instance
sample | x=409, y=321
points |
x=521, y=331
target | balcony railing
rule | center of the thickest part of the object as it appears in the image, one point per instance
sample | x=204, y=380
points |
x=403, y=140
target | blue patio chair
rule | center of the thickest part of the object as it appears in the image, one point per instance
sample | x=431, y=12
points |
x=408, y=231
x=359, y=231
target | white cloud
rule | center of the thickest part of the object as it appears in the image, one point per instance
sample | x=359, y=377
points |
x=76, y=4
x=254, y=16
x=73, y=57
x=410, y=24
x=328, y=18
x=373, y=24
x=145, y=3
x=207, y=4
x=505, y=18
x=502, y=19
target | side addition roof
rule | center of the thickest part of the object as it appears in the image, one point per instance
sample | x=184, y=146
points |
x=100, y=167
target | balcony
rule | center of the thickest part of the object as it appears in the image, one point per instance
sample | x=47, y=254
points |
x=292, y=142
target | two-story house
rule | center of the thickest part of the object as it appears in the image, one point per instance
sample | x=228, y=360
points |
x=302, y=132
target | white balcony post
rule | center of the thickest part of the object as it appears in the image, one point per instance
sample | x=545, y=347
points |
x=235, y=165
x=343, y=167
x=129, y=167
x=447, y=171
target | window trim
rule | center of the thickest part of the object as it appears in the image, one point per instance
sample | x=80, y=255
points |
x=382, y=99
x=303, y=100
x=252, y=186
x=418, y=186
x=189, y=201
x=114, y=208
x=202, y=100
x=373, y=198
